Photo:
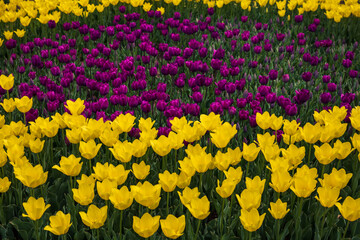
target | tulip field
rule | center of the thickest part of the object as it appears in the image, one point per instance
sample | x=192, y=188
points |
x=135, y=119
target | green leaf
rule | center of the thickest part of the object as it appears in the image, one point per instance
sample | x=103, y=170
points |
x=82, y=235
x=24, y=229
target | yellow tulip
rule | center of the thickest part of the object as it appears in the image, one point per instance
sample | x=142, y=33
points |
x=8, y=35
x=350, y=208
x=199, y=207
x=146, y=226
x=75, y=108
x=141, y=170
x=59, y=223
x=122, y=151
x=278, y=209
x=223, y=134
x=20, y=33
x=35, y=208
x=36, y=145
x=147, y=194
x=118, y=173
x=123, y=123
x=255, y=184
x=104, y=188
x=280, y=181
x=69, y=166
x=84, y=195
x=95, y=217
x=226, y=189
x=250, y=152
x=7, y=82
x=172, y=226
x=121, y=198
x=251, y=220
x=210, y=122
x=188, y=194
x=168, y=181
x=249, y=199
x=328, y=197
x=30, y=176
x=4, y=184
x=235, y=174
x=24, y=104
x=336, y=179
x=89, y=149
x=161, y=146
x=8, y=105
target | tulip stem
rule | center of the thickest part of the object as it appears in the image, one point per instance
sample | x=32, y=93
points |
x=277, y=229
x=90, y=166
x=164, y=163
x=200, y=184
x=121, y=220
x=37, y=229
x=309, y=154
x=167, y=203
x=323, y=221
x=71, y=183
x=51, y=153
x=323, y=170
x=247, y=169
x=2, y=216
x=231, y=203
x=222, y=216
x=298, y=218
x=197, y=229
x=346, y=228
x=24, y=119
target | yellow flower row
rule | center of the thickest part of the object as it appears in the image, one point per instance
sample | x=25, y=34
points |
x=107, y=177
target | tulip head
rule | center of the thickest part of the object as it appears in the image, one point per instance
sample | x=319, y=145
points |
x=59, y=223
x=35, y=208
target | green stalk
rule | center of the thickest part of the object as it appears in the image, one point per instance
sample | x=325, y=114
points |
x=346, y=228
x=323, y=170
x=197, y=229
x=298, y=219
x=121, y=220
x=37, y=229
x=164, y=163
x=277, y=229
x=2, y=215
x=222, y=216
x=90, y=166
x=167, y=203
x=323, y=221
x=309, y=155
x=247, y=169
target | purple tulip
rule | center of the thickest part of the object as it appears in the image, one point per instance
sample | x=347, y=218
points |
x=302, y=96
x=291, y=109
x=306, y=76
x=325, y=98
x=331, y=87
